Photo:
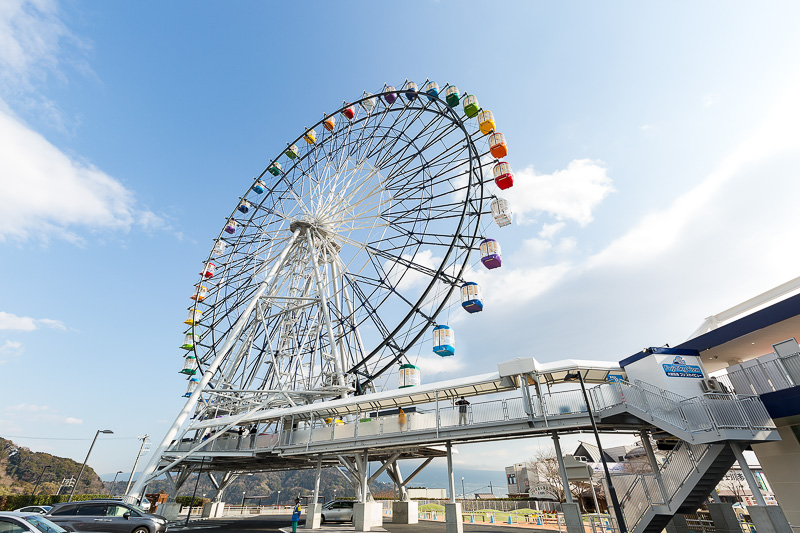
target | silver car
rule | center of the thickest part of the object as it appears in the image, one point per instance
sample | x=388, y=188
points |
x=338, y=511
x=16, y=522
x=107, y=516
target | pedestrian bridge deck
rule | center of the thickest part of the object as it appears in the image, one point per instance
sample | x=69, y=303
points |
x=516, y=411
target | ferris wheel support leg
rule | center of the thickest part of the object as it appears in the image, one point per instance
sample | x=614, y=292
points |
x=339, y=271
x=323, y=301
x=230, y=340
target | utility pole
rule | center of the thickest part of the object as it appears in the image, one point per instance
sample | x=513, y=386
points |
x=136, y=463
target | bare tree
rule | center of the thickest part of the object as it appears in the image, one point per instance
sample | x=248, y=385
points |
x=545, y=464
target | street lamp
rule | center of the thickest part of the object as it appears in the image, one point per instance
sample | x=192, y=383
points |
x=37, y=484
x=106, y=431
x=611, y=492
x=113, y=482
x=278, y=497
x=463, y=493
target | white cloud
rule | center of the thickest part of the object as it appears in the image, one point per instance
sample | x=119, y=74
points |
x=72, y=420
x=34, y=43
x=659, y=232
x=709, y=100
x=46, y=193
x=10, y=321
x=10, y=350
x=549, y=230
x=432, y=365
x=29, y=408
x=569, y=194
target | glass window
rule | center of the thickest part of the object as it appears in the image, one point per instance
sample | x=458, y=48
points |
x=43, y=524
x=92, y=509
x=10, y=526
x=117, y=510
x=65, y=511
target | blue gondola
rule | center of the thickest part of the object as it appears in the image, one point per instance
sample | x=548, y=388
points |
x=411, y=86
x=444, y=341
x=471, y=297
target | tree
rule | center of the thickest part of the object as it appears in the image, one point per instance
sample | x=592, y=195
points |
x=545, y=464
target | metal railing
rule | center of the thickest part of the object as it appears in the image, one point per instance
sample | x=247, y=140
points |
x=768, y=373
x=710, y=412
x=692, y=415
x=642, y=491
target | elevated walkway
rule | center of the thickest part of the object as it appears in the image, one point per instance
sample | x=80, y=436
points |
x=325, y=434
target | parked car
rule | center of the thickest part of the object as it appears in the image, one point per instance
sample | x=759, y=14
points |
x=41, y=509
x=338, y=511
x=108, y=516
x=17, y=522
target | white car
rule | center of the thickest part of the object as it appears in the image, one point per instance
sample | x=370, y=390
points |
x=13, y=522
x=41, y=509
x=338, y=511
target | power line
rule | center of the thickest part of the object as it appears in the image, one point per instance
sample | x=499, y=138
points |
x=62, y=438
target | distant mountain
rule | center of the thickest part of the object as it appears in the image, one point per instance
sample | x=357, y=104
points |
x=261, y=487
x=20, y=468
x=301, y=482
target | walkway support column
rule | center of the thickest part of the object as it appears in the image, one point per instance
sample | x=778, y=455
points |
x=314, y=512
x=404, y=511
x=572, y=511
x=366, y=514
x=454, y=523
x=766, y=518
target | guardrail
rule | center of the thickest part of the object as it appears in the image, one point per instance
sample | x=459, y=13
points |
x=710, y=412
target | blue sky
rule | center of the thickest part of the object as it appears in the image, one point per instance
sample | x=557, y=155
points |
x=655, y=150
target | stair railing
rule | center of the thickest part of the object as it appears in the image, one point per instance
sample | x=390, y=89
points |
x=709, y=412
x=641, y=491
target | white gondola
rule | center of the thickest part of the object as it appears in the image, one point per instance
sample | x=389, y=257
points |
x=189, y=341
x=192, y=386
x=219, y=248
x=369, y=104
x=189, y=366
x=200, y=294
x=194, y=317
x=410, y=376
x=501, y=212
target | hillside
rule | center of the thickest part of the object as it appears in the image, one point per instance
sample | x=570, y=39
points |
x=20, y=468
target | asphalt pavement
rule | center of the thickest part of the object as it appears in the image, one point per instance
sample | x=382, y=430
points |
x=274, y=524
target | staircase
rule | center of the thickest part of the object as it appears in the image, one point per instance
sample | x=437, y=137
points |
x=684, y=481
x=702, y=419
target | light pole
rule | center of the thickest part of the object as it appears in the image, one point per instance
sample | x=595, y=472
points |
x=113, y=482
x=107, y=431
x=243, y=493
x=37, y=484
x=463, y=493
x=278, y=497
x=611, y=492
x=136, y=463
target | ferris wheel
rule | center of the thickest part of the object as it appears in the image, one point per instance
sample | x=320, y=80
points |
x=340, y=257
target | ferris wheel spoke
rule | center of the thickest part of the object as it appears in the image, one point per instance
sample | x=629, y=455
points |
x=388, y=206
